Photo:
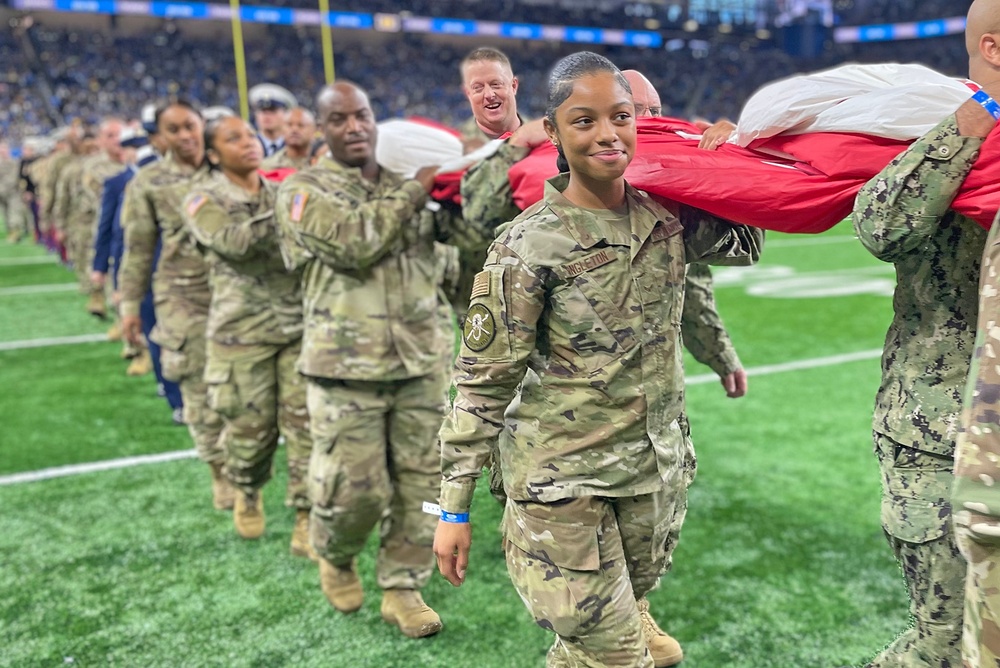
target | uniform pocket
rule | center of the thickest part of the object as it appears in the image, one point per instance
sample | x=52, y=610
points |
x=916, y=492
x=223, y=396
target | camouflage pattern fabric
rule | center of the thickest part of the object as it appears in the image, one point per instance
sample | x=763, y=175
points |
x=580, y=566
x=281, y=160
x=371, y=272
x=47, y=187
x=95, y=170
x=259, y=394
x=593, y=310
x=254, y=330
x=975, y=498
x=702, y=331
x=375, y=461
x=68, y=216
x=16, y=216
x=151, y=212
x=902, y=216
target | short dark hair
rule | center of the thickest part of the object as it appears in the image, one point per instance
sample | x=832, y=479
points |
x=174, y=102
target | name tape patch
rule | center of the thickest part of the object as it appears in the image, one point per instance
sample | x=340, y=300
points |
x=592, y=261
x=666, y=230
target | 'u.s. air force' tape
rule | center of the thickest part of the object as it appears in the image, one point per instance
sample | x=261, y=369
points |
x=432, y=509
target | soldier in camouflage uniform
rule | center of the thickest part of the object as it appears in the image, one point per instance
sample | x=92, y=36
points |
x=975, y=501
x=254, y=328
x=585, y=290
x=373, y=351
x=95, y=170
x=300, y=130
x=63, y=153
x=65, y=211
x=151, y=213
x=902, y=216
x=12, y=208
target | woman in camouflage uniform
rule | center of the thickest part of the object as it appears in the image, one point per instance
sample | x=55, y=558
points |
x=254, y=328
x=571, y=357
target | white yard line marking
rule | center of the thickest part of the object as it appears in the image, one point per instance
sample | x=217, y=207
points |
x=38, y=289
x=17, y=261
x=93, y=467
x=52, y=341
x=128, y=462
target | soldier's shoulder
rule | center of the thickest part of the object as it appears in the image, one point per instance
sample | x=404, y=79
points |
x=537, y=236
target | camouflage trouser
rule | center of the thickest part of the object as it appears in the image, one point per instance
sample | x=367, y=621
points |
x=79, y=242
x=259, y=394
x=916, y=517
x=375, y=461
x=981, y=628
x=16, y=215
x=580, y=565
x=180, y=331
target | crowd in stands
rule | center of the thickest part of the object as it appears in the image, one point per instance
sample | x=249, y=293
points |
x=92, y=74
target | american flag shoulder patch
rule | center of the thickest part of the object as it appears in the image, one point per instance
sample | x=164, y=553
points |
x=481, y=285
x=299, y=205
x=196, y=203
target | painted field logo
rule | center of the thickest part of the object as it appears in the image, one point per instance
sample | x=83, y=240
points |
x=480, y=328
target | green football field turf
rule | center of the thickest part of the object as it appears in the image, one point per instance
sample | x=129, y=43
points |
x=781, y=564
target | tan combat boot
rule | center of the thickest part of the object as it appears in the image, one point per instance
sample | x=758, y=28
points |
x=662, y=647
x=97, y=305
x=406, y=609
x=248, y=515
x=300, y=537
x=115, y=331
x=140, y=365
x=223, y=494
x=341, y=586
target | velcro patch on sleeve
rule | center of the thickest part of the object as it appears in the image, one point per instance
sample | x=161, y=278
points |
x=481, y=285
x=299, y=205
x=480, y=328
x=592, y=261
x=196, y=203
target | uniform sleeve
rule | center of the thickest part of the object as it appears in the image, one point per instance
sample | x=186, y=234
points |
x=60, y=207
x=138, y=220
x=487, y=197
x=110, y=197
x=702, y=330
x=499, y=335
x=902, y=205
x=976, y=496
x=213, y=228
x=709, y=239
x=345, y=234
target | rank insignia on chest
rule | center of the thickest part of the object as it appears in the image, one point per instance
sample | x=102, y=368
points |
x=481, y=285
x=480, y=328
x=299, y=205
x=195, y=204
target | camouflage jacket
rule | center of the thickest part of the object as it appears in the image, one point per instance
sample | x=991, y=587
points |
x=488, y=202
x=371, y=272
x=976, y=498
x=592, y=310
x=66, y=188
x=95, y=170
x=50, y=179
x=254, y=298
x=151, y=212
x=8, y=179
x=280, y=160
x=902, y=216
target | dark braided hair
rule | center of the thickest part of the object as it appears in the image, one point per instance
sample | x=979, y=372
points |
x=564, y=74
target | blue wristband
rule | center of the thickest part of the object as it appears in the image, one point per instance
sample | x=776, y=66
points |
x=454, y=518
x=988, y=103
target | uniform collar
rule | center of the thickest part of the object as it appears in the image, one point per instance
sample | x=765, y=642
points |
x=385, y=176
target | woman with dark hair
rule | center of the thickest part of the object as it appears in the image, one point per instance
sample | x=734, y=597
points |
x=583, y=290
x=254, y=328
x=151, y=215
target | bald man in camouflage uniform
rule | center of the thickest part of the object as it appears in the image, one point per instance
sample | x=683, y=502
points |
x=374, y=352
x=902, y=216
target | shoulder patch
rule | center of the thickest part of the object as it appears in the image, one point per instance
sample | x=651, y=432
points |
x=592, y=261
x=666, y=230
x=481, y=285
x=196, y=203
x=299, y=205
x=480, y=328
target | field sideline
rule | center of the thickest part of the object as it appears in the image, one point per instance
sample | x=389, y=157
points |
x=782, y=563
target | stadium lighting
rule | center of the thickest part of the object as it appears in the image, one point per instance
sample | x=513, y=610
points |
x=691, y=25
